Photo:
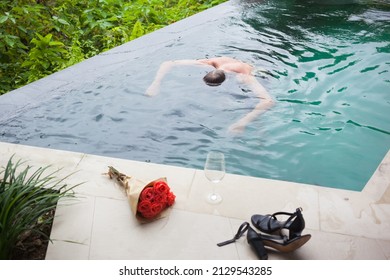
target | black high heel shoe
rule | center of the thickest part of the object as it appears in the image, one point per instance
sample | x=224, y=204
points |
x=270, y=224
x=259, y=241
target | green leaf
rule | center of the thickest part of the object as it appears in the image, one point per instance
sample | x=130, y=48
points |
x=138, y=30
x=47, y=39
x=60, y=20
x=22, y=28
x=10, y=41
x=56, y=43
x=3, y=19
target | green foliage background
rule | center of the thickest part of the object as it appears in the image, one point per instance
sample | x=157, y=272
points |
x=39, y=37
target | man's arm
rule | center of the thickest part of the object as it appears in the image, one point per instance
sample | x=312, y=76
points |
x=264, y=104
x=165, y=67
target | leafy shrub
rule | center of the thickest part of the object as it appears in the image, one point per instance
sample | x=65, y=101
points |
x=25, y=201
x=39, y=37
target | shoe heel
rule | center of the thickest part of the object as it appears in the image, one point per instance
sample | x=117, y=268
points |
x=254, y=239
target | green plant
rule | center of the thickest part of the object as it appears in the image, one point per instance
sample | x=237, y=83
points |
x=25, y=201
x=70, y=31
x=45, y=57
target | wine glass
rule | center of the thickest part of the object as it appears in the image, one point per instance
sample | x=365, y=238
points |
x=214, y=170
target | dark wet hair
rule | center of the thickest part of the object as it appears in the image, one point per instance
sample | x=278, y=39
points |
x=214, y=78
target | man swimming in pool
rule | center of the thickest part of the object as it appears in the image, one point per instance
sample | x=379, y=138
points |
x=222, y=65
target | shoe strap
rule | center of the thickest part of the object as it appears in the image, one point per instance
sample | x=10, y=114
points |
x=241, y=230
x=292, y=216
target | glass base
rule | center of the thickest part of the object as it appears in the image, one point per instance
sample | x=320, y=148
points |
x=214, y=198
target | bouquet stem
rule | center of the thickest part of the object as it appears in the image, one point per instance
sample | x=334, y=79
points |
x=120, y=177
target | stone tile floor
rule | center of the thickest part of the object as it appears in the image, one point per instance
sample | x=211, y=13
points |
x=99, y=224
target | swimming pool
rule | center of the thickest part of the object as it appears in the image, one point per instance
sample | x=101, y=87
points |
x=327, y=68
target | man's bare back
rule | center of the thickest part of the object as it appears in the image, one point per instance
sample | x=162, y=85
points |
x=228, y=64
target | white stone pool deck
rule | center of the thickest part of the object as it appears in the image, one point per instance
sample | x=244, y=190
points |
x=99, y=225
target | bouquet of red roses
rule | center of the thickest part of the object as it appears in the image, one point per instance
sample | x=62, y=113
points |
x=147, y=201
x=154, y=198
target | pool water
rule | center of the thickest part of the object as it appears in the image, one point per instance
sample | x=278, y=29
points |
x=326, y=66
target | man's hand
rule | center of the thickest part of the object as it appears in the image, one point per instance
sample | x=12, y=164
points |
x=237, y=128
x=153, y=89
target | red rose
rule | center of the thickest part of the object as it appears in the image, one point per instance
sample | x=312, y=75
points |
x=156, y=208
x=144, y=206
x=160, y=187
x=147, y=194
x=170, y=199
x=145, y=209
x=160, y=198
x=148, y=214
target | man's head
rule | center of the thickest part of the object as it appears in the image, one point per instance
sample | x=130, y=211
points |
x=214, y=78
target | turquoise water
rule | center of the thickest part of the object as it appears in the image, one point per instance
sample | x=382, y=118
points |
x=331, y=79
x=326, y=66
